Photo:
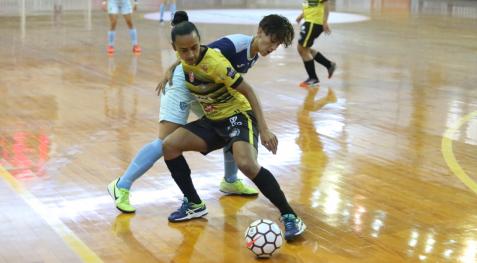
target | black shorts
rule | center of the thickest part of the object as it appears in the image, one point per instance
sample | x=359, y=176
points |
x=223, y=133
x=308, y=33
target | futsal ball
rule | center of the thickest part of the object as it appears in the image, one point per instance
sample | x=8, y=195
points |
x=263, y=237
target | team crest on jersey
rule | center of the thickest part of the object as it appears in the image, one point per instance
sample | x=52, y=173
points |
x=191, y=76
x=183, y=105
x=204, y=68
x=231, y=72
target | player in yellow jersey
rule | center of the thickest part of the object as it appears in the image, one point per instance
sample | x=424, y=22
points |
x=233, y=119
x=315, y=13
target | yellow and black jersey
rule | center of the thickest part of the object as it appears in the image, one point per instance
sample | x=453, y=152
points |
x=314, y=11
x=213, y=81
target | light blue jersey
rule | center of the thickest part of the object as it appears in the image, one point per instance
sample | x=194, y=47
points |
x=177, y=101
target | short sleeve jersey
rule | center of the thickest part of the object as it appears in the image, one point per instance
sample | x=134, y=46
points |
x=236, y=48
x=314, y=11
x=213, y=81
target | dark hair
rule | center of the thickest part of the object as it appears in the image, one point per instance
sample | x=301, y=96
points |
x=183, y=28
x=278, y=28
x=179, y=16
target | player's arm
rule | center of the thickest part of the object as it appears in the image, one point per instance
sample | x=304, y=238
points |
x=268, y=139
x=135, y=4
x=167, y=77
x=104, y=5
x=326, y=27
x=300, y=17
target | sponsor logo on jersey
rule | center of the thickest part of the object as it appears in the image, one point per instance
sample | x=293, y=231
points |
x=231, y=72
x=209, y=108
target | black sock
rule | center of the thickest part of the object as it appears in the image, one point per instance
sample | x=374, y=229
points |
x=322, y=60
x=181, y=173
x=310, y=69
x=270, y=188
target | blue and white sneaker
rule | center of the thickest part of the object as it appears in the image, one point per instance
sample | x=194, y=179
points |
x=188, y=211
x=294, y=226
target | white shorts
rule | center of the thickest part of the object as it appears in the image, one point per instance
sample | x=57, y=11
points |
x=177, y=101
x=123, y=7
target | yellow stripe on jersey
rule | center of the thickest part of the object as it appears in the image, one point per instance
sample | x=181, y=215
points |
x=308, y=34
x=250, y=129
x=314, y=11
x=212, y=81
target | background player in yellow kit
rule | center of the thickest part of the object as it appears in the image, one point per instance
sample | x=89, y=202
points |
x=315, y=13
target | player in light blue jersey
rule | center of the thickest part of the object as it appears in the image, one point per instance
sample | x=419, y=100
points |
x=176, y=102
x=124, y=7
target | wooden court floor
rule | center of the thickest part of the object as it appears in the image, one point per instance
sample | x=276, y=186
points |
x=380, y=161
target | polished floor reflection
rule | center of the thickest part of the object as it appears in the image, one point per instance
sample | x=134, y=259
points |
x=380, y=160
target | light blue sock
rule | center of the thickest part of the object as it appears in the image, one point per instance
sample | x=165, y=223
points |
x=161, y=9
x=144, y=160
x=230, y=167
x=111, y=37
x=133, y=35
x=173, y=10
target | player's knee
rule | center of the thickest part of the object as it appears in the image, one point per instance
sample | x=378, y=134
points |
x=169, y=148
x=247, y=166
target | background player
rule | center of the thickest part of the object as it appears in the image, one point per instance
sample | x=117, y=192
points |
x=315, y=13
x=162, y=7
x=124, y=7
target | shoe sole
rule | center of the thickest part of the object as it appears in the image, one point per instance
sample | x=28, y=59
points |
x=237, y=193
x=309, y=86
x=190, y=217
x=114, y=200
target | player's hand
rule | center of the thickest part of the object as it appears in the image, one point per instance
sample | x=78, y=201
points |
x=161, y=86
x=269, y=140
x=135, y=6
x=165, y=79
x=326, y=28
x=104, y=6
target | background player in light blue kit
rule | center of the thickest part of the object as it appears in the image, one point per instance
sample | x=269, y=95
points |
x=124, y=7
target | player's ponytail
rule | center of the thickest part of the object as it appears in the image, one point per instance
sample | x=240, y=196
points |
x=179, y=16
x=183, y=28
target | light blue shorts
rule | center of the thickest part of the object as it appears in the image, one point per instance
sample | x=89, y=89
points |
x=177, y=101
x=123, y=7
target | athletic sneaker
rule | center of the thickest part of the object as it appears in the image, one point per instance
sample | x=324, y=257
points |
x=110, y=50
x=136, y=48
x=188, y=211
x=237, y=188
x=310, y=83
x=331, y=69
x=120, y=197
x=294, y=226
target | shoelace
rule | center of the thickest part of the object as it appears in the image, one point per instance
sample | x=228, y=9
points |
x=184, y=206
x=125, y=198
x=289, y=222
